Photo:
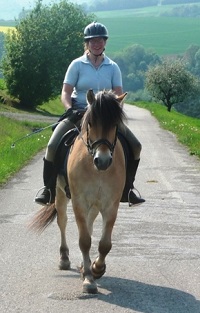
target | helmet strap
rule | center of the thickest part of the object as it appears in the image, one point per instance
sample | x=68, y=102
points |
x=97, y=55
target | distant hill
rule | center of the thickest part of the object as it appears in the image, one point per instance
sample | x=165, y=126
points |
x=10, y=9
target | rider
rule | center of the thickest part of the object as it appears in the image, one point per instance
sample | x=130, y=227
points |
x=93, y=70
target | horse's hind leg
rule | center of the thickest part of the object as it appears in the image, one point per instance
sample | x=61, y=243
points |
x=61, y=205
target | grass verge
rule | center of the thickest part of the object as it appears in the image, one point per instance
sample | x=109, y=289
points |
x=186, y=129
x=13, y=159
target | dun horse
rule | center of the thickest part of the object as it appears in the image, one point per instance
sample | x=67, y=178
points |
x=96, y=177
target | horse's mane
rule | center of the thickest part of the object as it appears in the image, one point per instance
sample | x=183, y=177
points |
x=105, y=111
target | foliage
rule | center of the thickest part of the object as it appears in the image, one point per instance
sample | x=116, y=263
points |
x=2, y=37
x=191, y=107
x=2, y=84
x=192, y=59
x=178, y=1
x=41, y=48
x=102, y=5
x=134, y=62
x=184, y=11
x=171, y=83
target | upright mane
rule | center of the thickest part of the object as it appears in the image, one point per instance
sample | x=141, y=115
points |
x=104, y=110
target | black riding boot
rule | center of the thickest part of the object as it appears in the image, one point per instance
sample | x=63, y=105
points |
x=49, y=177
x=128, y=194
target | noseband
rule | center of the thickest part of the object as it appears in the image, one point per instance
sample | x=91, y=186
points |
x=93, y=146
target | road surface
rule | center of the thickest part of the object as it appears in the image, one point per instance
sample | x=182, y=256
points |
x=154, y=264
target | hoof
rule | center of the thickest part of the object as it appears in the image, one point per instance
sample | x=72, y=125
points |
x=65, y=265
x=89, y=286
x=98, y=272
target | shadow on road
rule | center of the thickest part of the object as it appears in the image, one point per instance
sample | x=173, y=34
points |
x=146, y=298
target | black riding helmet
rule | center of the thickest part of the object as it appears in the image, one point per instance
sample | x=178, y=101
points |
x=95, y=30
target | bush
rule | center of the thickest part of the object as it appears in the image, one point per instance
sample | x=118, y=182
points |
x=41, y=48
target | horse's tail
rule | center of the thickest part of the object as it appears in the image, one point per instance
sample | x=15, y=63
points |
x=43, y=218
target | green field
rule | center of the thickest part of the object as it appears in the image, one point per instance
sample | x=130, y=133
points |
x=164, y=35
x=161, y=34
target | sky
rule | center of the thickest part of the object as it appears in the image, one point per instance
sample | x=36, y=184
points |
x=10, y=9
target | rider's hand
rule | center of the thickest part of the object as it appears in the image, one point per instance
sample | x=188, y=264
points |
x=74, y=115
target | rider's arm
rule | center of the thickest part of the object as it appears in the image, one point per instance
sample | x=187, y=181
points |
x=118, y=90
x=66, y=96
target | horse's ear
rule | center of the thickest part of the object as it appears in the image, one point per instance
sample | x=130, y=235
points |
x=90, y=97
x=121, y=97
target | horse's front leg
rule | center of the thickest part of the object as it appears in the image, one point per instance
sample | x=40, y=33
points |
x=99, y=266
x=61, y=205
x=89, y=285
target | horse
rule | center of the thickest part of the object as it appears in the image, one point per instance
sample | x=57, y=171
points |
x=96, y=172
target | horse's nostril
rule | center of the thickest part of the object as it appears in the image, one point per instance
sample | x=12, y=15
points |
x=96, y=161
x=102, y=164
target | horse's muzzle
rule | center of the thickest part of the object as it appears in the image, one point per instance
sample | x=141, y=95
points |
x=102, y=161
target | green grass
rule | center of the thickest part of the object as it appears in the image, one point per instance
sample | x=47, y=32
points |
x=53, y=107
x=13, y=159
x=186, y=129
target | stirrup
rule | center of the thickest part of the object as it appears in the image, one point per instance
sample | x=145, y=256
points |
x=43, y=188
x=140, y=199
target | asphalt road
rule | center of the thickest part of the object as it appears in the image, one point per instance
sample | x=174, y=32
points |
x=154, y=265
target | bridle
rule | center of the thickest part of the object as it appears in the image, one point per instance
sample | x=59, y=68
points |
x=93, y=146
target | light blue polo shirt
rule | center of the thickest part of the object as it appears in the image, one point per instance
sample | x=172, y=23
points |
x=82, y=75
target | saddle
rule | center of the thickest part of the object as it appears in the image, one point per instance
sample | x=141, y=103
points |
x=63, y=150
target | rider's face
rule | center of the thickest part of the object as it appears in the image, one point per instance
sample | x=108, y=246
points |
x=97, y=44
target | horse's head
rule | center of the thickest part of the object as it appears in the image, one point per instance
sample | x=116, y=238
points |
x=101, y=121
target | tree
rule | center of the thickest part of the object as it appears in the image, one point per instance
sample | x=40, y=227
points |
x=134, y=62
x=171, y=83
x=2, y=37
x=192, y=59
x=40, y=50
